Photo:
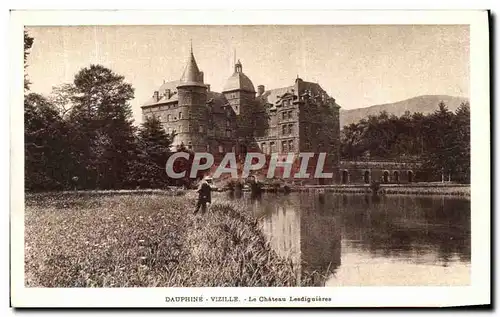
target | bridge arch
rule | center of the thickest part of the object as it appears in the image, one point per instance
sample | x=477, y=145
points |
x=385, y=177
x=345, y=177
x=410, y=176
x=396, y=176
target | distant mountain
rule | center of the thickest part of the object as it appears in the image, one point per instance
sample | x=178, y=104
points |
x=424, y=104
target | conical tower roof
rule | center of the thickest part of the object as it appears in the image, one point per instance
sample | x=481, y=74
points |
x=192, y=75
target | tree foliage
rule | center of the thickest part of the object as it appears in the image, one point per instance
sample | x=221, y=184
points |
x=48, y=152
x=83, y=136
x=153, y=150
x=441, y=140
x=28, y=43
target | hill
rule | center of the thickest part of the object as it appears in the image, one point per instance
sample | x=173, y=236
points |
x=424, y=104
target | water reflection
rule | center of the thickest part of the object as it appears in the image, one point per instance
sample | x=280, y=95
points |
x=365, y=240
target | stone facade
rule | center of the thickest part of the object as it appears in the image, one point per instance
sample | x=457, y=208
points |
x=363, y=172
x=298, y=118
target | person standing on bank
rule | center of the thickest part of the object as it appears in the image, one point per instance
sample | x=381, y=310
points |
x=204, y=196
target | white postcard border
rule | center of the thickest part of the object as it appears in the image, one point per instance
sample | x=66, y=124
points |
x=477, y=293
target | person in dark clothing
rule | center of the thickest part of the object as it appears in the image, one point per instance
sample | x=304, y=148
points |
x=204, y=196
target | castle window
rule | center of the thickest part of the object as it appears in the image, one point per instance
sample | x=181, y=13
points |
x=290, y=128
x=236, y=108
x=284, y=129
x=228, y=133
x=228, y=123
x=180, y=115
x=200, y=129
x=221, y=149
x=290, y=145
x=284, y=146
x=283, y=115
x=190, y=145
x=169, y=130
x=272, y=147
x=208, y=147
x=168, y=117
x=159, y=118
x=289, y=114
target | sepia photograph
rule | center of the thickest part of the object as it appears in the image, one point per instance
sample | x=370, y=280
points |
x=251, y=157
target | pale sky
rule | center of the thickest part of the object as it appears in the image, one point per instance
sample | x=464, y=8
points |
x=359, y=66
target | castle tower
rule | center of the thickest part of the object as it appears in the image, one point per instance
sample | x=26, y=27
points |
x=193, y=113
x=240, y=93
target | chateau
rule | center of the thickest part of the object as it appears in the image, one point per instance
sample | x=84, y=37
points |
x=297, y=118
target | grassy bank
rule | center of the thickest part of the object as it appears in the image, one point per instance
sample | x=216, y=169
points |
x=149, y=240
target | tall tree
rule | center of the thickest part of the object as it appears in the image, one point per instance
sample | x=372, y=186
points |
x=462, y=128
x=62, y=98
x=28, y=43
x=351, y=137
x=442, y=145
x=48, y=154
x=102, y=118
x=153, y=151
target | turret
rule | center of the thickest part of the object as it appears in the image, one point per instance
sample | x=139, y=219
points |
x=192, y=94
x=240, y=93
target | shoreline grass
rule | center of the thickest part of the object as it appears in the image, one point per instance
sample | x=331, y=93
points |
x=148, y=241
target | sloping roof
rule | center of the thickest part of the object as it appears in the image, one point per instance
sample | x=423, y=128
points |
x=191, y=74
x=273, y=95
x=172, y=86
x=315, y=88
x=218, y=101
x=239, y=81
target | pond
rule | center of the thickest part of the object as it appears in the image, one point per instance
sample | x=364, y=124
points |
x=357, y=240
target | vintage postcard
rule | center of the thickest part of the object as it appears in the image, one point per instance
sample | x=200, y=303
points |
x=250, y=159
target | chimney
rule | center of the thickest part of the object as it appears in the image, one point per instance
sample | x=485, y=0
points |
x=168, y=93
x=201, y=77
x=260, y=90
x=208, y=87
x=156, y=95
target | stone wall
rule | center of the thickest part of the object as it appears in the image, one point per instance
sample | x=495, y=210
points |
x=363, y=172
